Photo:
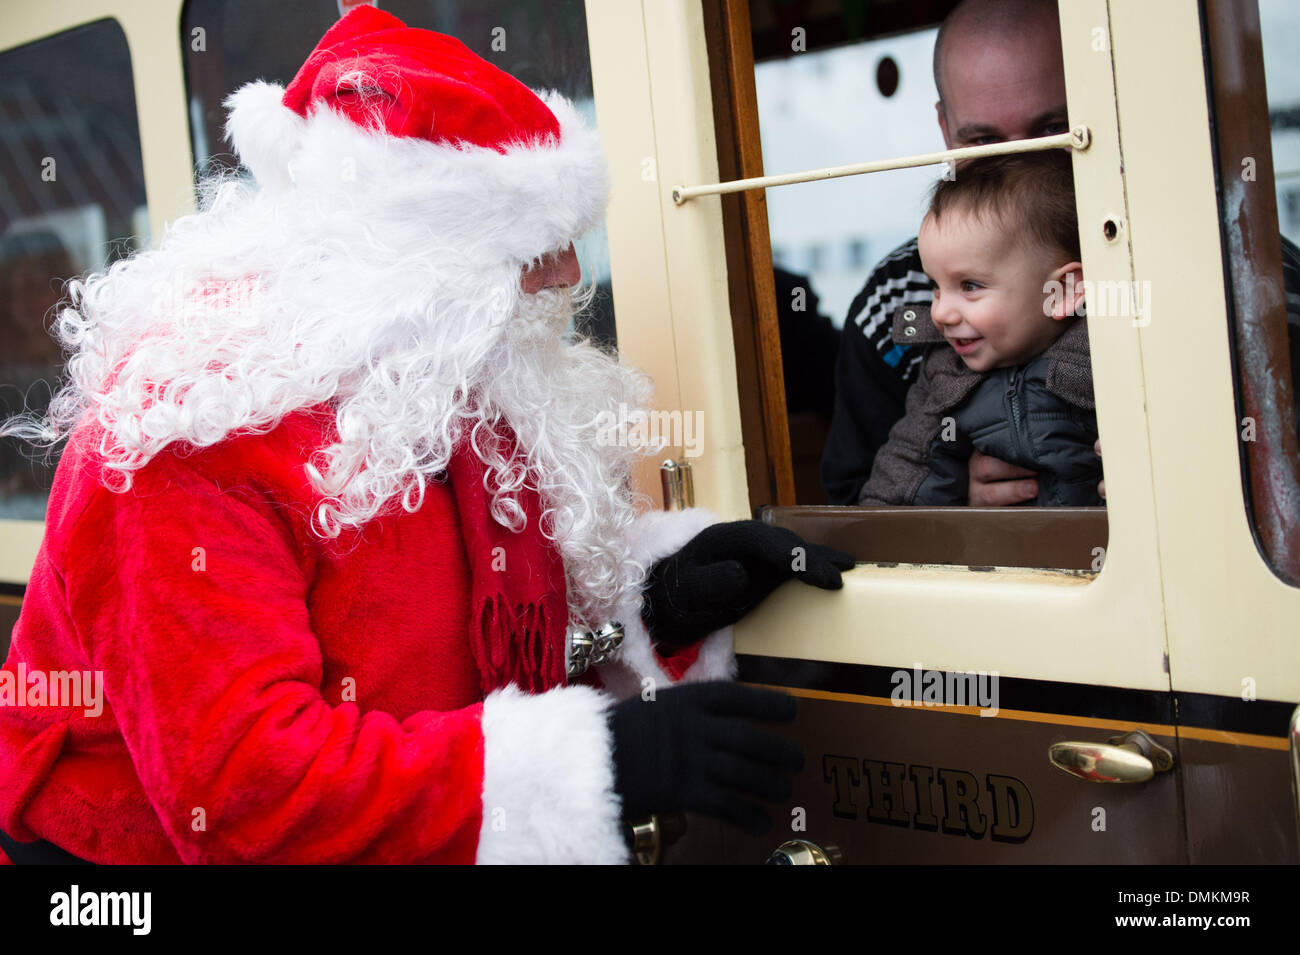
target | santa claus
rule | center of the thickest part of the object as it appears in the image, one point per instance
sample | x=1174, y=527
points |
x=337, y=526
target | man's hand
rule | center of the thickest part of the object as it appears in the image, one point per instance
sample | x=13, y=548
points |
x=995, y=483
x=725, y=571
x=702, y=748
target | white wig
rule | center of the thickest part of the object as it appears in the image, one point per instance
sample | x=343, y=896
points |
x=381, y=275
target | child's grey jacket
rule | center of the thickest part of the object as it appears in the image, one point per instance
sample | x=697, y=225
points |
x=1039, y=415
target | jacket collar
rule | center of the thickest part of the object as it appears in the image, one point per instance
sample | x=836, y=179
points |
x=912, y=326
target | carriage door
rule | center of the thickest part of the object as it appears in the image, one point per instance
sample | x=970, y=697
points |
x=1221, y=357
x=971, y=648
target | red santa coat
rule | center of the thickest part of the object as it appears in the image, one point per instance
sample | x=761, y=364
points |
x=273, y=697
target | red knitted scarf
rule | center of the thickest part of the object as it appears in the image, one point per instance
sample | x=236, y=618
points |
x=518, y=600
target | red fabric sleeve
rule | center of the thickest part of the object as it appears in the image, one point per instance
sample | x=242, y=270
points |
x=675, y=661
x=213, y=677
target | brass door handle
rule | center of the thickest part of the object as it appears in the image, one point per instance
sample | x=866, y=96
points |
x=803, y=852
x=650, y=837
x=1132, y=758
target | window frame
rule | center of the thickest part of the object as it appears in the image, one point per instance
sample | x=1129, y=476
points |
x=960, y=539
x=1229, y=617
x=1252, y=260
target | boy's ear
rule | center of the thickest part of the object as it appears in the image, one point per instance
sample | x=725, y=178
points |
x=1070, y=303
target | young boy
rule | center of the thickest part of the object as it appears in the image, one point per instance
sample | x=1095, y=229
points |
x=1008, y=371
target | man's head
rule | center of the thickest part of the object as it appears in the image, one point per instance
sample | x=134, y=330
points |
x=994, y=237
x=403, y=254
x=999, y=72
x=555, y=270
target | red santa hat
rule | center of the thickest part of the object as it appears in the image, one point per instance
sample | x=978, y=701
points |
x=405, y=125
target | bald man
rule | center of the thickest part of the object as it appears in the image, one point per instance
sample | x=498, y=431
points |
x=998, y=69
x=1000, y=76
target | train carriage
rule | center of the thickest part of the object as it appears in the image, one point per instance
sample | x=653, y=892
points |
x=1098, y=685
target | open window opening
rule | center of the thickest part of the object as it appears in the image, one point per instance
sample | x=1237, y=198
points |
x=1254, y=97
x=823, y=273
x=72, y=201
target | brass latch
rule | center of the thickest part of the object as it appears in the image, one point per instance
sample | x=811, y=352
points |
x=1132, y=758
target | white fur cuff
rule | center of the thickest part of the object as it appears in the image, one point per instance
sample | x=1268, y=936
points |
x=626, y=676
x=654, y=536
x=548, y=780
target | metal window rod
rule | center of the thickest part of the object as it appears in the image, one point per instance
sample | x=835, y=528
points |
x=1077, y=138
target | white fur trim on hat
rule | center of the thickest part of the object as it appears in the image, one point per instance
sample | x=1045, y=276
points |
x=653, y=536
x=514, y=206
x=548, y=779
x=264, y=132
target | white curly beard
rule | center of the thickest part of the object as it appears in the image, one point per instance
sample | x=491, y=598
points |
x=411, y=340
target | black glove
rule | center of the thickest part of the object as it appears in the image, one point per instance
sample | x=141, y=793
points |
x=724, y=572
x=695, y=748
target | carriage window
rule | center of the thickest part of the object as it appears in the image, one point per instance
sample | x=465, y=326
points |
x=1255, y=110
x=874, y=98
x=543, y=43
x=72, y=200
x=856, y=304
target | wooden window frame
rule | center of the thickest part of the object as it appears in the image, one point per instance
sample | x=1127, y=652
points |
x=1051, y=538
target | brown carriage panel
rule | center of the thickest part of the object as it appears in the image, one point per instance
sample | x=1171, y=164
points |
x=1240, y=810
x=888, y=784
x=9, y=609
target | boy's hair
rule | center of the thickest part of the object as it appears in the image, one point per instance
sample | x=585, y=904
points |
x=1031, y=194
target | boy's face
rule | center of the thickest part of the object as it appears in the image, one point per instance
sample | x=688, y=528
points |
x=988, y=289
